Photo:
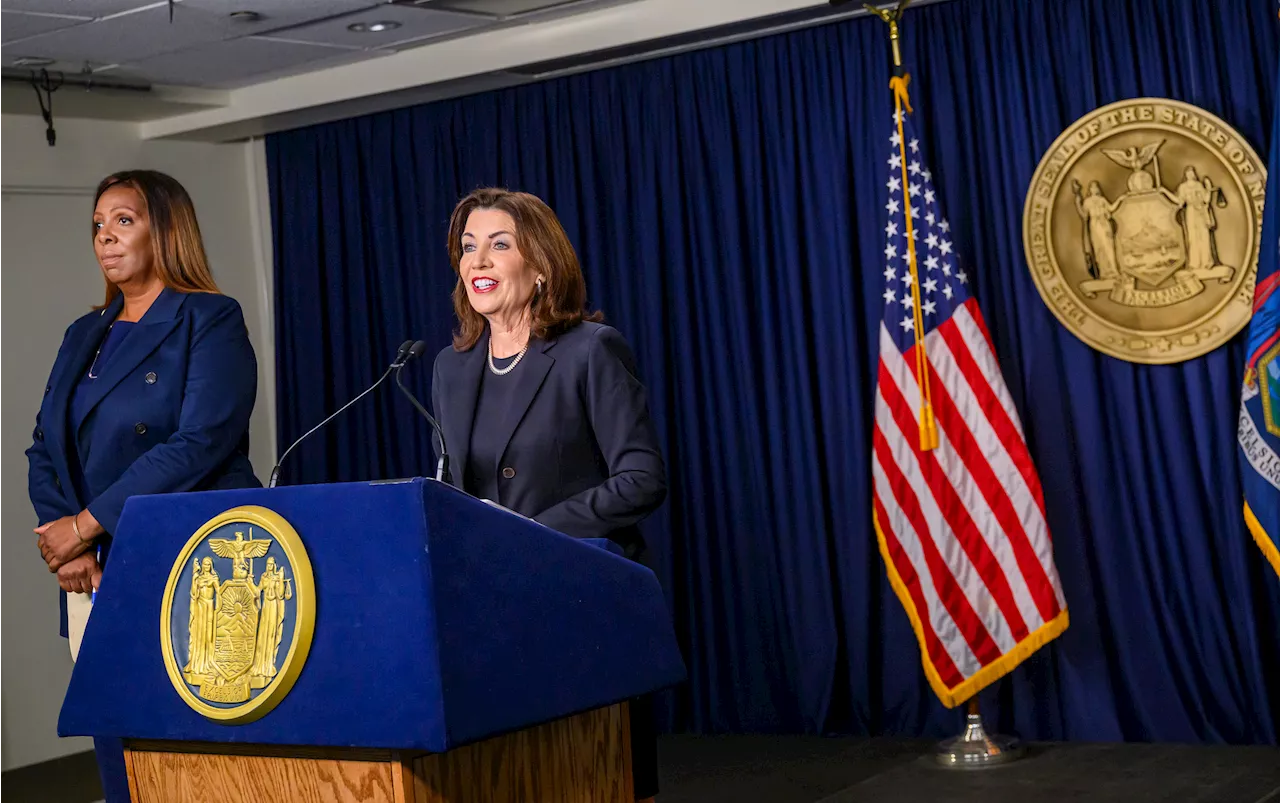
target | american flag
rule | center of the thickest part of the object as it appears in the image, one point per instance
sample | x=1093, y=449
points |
x=961, y=526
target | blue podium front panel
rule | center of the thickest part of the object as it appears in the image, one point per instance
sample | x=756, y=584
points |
x=438, y=620
x=535, y=625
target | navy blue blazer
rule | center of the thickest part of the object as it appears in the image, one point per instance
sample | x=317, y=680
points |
x=169, y=411
x=582, y=453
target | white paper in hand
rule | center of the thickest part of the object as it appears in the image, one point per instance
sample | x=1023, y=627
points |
x=79, y=606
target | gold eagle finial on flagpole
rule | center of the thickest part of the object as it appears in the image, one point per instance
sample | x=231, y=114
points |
x=891, y=16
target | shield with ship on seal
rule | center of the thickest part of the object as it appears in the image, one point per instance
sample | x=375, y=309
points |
x=1149, y=243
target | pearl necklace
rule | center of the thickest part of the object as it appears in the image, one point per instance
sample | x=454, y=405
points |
x=504, y=371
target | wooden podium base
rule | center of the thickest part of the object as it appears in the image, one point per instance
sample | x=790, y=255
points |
x=585, y=758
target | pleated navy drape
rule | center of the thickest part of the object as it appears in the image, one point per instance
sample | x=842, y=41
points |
x=728, y=208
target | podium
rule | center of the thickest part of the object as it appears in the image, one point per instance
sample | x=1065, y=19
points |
x=458, y=652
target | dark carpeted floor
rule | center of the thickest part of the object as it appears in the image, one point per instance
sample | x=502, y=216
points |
x=810, y=769
x=789, y=769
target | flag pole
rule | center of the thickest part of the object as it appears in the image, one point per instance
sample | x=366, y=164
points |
x=974, y=748
x=901, y=100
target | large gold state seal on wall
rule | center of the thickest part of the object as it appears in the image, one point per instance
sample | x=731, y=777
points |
x=1142, y=227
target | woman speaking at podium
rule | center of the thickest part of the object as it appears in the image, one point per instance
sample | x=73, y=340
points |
x=538, y=401
x=149, y=393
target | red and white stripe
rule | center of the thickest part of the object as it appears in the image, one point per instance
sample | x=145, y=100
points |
x=963, y=525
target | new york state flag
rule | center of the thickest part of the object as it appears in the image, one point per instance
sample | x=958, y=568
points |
x=1259, y=428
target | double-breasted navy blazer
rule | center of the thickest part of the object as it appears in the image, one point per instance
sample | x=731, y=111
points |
x=168, y=412
x=582, y=453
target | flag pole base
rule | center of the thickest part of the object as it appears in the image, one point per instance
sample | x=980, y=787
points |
x=975, y=749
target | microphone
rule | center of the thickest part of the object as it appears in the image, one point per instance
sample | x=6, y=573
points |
x=402, y=355
x=442, y=466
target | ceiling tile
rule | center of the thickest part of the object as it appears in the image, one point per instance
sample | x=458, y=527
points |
x=15, y=26
x=341, y=58
x=236, y=62
x=503, y=8
x=278, y=14
x=133, y=37
x=414, y=23
x=78, y=8
x=204, y=47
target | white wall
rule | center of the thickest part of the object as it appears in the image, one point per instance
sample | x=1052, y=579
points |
x=49, y=278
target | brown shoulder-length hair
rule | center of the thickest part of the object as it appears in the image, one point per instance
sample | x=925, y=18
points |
x=180, y=260
x=562, y=302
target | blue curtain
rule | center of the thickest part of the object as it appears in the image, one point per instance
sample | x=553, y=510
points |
x=728, y=208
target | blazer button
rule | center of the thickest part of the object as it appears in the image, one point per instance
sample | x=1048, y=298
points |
x=140, y=428
x=508, y=472
x=40, y=434
x=48, y=388
x=150, y=378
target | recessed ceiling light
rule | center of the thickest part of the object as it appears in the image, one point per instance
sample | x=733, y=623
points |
x=32, y=61
x=373, y=27
x=245, y=16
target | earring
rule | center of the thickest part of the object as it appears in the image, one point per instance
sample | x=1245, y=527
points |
x=539, y=285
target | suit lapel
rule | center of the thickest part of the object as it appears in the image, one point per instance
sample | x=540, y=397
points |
x=536, y=364
x=83, y=345
x=156, y=324
x=465, y=391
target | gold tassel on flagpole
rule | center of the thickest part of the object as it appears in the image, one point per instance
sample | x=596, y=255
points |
x=901, y=102
x=928, y=426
